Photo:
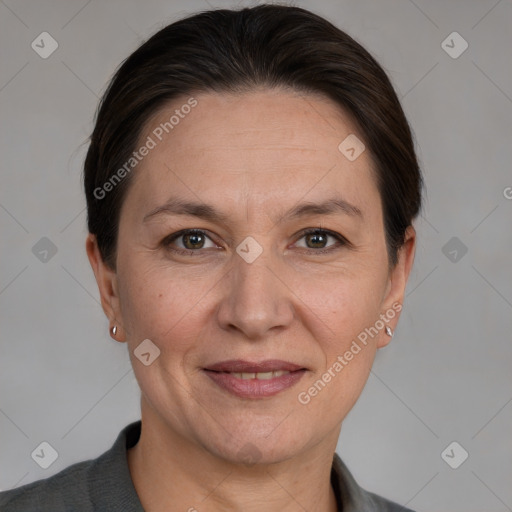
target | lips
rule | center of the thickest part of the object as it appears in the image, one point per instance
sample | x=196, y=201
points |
x=259, y=375
x=254, y=379
x=241, y=366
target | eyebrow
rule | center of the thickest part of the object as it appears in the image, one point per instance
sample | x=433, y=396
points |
x=176, y=206
x=328, y=207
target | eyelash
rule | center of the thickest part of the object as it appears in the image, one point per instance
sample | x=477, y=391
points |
x=341, y=240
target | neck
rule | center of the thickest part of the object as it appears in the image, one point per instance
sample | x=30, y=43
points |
x=170, y=472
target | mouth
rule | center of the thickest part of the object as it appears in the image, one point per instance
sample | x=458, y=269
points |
x=258, y=375
x=254, y=380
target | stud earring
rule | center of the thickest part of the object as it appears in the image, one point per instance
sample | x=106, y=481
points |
x=389, y=332
x=113, y=330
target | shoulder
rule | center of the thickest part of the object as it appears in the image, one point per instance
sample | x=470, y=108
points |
x=58, y=492
x=86, y=486
x=354, y=498
x=381, y=504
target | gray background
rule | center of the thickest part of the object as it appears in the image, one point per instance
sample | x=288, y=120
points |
x=447, y=374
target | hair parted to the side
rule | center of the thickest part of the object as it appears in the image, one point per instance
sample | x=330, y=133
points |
x=237, y=51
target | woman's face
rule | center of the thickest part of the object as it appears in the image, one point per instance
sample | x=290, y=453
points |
x=251, y=290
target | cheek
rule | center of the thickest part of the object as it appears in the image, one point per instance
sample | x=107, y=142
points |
x=157, y=303
x=350, y=306
x=347, y=350
x=346, y=303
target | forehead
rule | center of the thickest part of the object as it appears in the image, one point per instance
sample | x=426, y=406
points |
x=285, y=119
x=263, y=144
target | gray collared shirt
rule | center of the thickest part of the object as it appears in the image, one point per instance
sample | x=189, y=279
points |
x=104, y=484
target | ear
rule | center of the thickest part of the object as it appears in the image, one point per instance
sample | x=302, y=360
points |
x=397, y=282
x=106, y=279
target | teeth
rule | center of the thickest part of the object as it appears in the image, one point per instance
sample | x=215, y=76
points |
x=265, y=375
x=260, y=375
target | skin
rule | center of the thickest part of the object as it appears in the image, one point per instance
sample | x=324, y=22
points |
x=253, y=156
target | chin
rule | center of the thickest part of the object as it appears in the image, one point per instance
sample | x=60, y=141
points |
x=272, y=443
x=258, y=452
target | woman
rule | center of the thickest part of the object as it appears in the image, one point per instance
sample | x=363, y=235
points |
x=251, y=185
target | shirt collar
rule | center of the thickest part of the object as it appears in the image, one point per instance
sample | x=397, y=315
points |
x=350, y=497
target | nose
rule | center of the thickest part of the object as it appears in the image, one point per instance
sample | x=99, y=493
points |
x=255, y=301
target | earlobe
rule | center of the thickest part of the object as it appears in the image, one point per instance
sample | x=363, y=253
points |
x=395, y=290
x=106, y=279
x=116, y=333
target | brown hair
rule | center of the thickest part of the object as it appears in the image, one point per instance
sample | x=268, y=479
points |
x=239, y=50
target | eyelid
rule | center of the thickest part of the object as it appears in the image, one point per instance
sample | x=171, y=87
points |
x=189, y=231
x=341, y=240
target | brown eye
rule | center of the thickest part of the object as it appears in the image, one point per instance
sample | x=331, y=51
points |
x=193, y=240
x=188, y=240
x=318, y=239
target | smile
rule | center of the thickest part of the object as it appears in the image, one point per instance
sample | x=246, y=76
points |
x=259, y=375
x=254, y=380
